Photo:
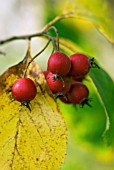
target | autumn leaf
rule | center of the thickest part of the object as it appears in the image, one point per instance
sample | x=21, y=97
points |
x=35, y=140
x=96, y=12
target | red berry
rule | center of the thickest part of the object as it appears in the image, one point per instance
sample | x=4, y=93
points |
x=59, y=63
x=78, y=93
x=80, y=65
x=24, y=90
x=58, y=83
x=54, y=82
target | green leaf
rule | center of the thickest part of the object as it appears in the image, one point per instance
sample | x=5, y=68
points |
x=105, y=87
x=97, y=12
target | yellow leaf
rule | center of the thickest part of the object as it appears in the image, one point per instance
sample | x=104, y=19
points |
x=35, y=140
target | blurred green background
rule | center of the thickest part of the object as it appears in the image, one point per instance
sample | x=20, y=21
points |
x=92, y=35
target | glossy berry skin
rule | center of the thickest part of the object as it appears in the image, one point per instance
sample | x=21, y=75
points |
x=80, y=65
x=24, y=90
x=59, y=63
x=78, y=93
x=54, y=82
x=58, y=83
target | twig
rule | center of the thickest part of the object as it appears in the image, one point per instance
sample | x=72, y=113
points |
x=39, y=34
x=24, y=74
x=57, y=36
x=22, y=37
x=58, y=18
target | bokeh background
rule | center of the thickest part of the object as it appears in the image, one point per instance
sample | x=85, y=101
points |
x=90, y=32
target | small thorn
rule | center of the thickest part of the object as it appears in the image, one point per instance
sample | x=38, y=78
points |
x=85, y=101
x=59, y=95
x=93, y=64
x=26, y=104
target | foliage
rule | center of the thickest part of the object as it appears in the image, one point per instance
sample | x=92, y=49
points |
x=68, y=42
x=89, y=126
x=30, y=140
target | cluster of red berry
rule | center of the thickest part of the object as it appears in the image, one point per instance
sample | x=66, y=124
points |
x=64, y=77
x=65, y=74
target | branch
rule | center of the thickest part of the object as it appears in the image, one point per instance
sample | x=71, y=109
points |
x=58, y=18
x=43, y=33
x=23, y=37
x=24, y=75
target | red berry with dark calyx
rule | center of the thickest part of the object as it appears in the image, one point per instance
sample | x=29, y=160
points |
x=62, y=97
x=58, y=83
x=55, y=82
x=80, y=65
x=59, y=63
x=65, y=100
x=24, y=90
x=78, y=94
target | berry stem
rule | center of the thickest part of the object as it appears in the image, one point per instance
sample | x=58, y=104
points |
x=24, y=74
x=40, y=51
x=58, y=18
x=57, y=37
